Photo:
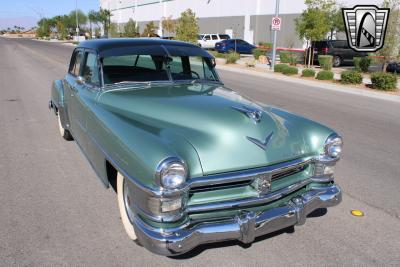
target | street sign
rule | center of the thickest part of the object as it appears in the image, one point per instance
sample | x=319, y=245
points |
x=276, y=24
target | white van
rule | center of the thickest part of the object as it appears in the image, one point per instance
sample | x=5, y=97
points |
x=209, y=40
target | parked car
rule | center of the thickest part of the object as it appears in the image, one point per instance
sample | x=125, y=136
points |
x=237, y=45
x=339, y=49
x=393, y=67
x=208, y=41
x=191, y=161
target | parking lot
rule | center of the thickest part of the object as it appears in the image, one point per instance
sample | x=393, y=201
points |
x=55, y=212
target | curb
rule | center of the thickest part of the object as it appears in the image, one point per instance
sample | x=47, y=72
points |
x=331, y=87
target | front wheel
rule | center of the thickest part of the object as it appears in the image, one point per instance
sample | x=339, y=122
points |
x=63, y=132
x=124, y=202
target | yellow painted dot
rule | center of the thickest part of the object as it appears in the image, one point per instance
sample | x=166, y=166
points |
x=357, y=213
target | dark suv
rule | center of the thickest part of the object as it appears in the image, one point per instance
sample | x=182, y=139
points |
x=339, y=49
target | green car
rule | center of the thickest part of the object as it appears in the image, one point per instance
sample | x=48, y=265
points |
x=192, y=161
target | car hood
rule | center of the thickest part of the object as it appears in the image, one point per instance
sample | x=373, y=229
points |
x=209, y=118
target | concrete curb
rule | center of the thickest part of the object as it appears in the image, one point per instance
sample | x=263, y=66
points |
x=320, y=85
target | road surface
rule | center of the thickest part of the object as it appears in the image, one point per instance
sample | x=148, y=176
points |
x=55, y=212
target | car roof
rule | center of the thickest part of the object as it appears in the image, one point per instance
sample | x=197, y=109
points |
x=104, y=44
x=118, y=46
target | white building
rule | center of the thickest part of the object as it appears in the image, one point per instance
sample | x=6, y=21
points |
x=246, y=19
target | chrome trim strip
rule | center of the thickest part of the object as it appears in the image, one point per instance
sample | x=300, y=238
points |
x=246, y=226
x=246, y=174
x=247, y=202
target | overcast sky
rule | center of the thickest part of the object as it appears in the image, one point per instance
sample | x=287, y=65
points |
x=26, y=13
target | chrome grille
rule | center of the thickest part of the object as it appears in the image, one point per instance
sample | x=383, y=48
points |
x=245, y=178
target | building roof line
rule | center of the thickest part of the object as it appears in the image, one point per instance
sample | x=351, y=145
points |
x=139, y=5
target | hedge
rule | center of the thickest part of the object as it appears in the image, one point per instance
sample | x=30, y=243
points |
x=384, y=81
x=232, y=57
x=280, y=67
x=290, y=70
x=259, y=52
x=325, y=75
x=350, y=77
x=365, y=62
x=288, y=57
x=356, y=61
x=308, y=73
x=325, y=61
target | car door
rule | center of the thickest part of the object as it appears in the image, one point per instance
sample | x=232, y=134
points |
x=73, y=88
x=91, y=87
x=214, y=40
x=207, y=41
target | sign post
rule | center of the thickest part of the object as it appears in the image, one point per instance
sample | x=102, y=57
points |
x=275, y=26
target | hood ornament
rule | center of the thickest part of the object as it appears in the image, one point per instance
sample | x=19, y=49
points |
x=252, y=113
x=259, y=143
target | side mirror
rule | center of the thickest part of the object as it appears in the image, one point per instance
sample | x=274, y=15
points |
x=80, y=80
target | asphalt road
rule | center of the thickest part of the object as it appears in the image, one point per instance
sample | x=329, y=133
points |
x=54, y=211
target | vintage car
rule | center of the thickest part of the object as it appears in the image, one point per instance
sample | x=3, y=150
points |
x=192, y=162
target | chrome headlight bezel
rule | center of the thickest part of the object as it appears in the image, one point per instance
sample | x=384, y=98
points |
x=172, y=173
x=333, y=146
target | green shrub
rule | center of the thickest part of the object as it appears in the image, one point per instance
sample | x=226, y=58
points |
x=325, y=61
x=216, y=54
x=357, y=63
x=365, y=62
x=280, y=67
x=250, y=63
x=308, y=73
x=290, y=70
x=232, y=57
x=325, y=75
x=288, y=57
x=352, y=77
x=259, y=52
x=384, y=81
x=265, y=44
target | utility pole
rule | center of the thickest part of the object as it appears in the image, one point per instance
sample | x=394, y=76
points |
x=275, y=36
x=77, y=22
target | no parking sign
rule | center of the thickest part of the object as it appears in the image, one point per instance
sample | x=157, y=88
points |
x=276, y=24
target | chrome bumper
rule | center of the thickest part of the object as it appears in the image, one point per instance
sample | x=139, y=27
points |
x=245, y=227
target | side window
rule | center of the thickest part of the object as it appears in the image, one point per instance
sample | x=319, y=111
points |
x=214, y=37
x=207, y=37
x=91, y=69
x=75, y=66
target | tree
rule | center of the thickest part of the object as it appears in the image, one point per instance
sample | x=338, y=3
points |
x=93, y=17
x=104, y=17
x=315, y=22
x=336, y=21
x=187, y=28
x=391, y=47
x=169, y=25
x=43, y=28
x=82, y=18
x=150, y=30
x=131, y=29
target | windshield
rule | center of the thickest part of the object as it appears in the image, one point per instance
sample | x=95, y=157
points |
x=151, y=68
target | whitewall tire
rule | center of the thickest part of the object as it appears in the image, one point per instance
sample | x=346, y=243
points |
x=123, y=199
x=63, y=132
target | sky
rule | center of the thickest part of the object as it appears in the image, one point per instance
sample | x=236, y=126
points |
x=26, y=13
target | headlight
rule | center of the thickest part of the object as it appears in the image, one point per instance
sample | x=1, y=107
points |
x=333, y=146
x=172, y=173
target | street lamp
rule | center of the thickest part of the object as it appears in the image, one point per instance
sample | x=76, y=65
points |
x=77, y=23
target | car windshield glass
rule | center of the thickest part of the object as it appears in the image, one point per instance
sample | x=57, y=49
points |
x=151, y=68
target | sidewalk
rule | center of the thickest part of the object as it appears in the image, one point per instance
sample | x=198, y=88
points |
x=264, y=71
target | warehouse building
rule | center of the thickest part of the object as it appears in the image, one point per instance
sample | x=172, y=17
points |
x=249, y=20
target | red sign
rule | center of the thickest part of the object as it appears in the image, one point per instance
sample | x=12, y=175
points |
x=276, y=24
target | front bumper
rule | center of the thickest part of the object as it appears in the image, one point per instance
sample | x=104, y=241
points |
x=245, y=227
